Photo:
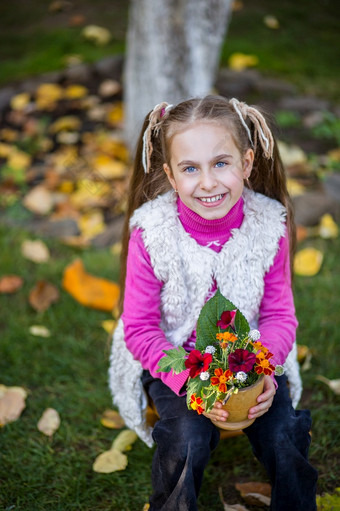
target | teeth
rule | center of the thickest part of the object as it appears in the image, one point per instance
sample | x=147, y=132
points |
x=211, y=199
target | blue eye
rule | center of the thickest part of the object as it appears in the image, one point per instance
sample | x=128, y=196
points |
x=190, y=170
x=220, y=164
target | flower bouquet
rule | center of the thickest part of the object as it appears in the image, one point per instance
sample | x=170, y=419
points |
x=227, y=364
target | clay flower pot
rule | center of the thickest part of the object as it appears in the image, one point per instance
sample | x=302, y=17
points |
x=238, y=407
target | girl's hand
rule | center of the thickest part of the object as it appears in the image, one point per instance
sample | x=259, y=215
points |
x=217, y=413
x=264, y=400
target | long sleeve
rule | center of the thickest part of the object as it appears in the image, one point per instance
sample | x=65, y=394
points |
x=277, y=320
x=143, y=334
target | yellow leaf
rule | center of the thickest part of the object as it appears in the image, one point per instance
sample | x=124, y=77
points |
x=89, y=290
x=19, y=160
x=49, y=422
x=48, y=94
x=109, y=325
x=334, y=385
x=112, y=420
x=5, y=150
x=91, y=223
x=66, y=123
x=20, y=101
x=35, y=251
x=109, y=168
x=307, y=262
x=39, y=331
x=295, y=188
x=90, y=194
x=66, y=187
x=64, y=158
x=9, y=135
x=116, y=248
x=110, y=461
x=328, y=228
x=240, y=61
x=12, y=403
x=291, y=155
x=124, y=441
x=271, y=22
x=99, y=35
x=116, y=114
x=75, y=91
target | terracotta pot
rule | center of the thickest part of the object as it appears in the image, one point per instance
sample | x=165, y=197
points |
x=238, y=407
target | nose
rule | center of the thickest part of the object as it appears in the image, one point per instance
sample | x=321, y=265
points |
x=207, y=181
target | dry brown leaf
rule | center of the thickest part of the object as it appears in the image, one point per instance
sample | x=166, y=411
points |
x=255, y=493
x=125, y=440
x=89, y=290
x=10, y=283
x=230, y=507
x=39, y=200
x=39, y=331
x=12, y=403
x=43, y=295
x=307, y=262
x=49, y=422
x=110, y=461
x=112, y=420
x=334, y=385
x=35, y=251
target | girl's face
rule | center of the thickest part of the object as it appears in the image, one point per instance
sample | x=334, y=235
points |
x=207, y=169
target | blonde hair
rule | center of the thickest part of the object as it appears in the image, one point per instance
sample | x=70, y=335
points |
x=249, y=129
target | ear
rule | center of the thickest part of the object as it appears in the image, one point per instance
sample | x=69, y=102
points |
x=168, y=172
x=248, y=161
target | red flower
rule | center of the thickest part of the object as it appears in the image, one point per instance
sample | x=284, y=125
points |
x=227, y=319
x=197, y=363
x=196, y=403
x=241, y=360
x=264, y=366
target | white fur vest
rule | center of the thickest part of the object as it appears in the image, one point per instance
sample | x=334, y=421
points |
x=187, y=271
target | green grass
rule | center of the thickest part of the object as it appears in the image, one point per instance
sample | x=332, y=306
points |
x=68, y=372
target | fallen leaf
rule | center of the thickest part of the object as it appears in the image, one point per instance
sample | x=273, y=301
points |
x=109, y=88
x=291, y=155
x=328, y=502
x=334, y=385
x=328, y=228
x=5, y=150
x=110, y=461
x=89, y=290
x=12, y=403
x=9, y=135
x=68, y=137
x=91, y=223
x=10, y=283
x=304, y=356
x=307, y=262
x=125, y=439
x=230, y=507
x=109, y=325
x=98, y=35
x=116, y=114
x=49, y=422
x=66, y=123
x=39, y=200
x=301, y=233
x=255, y=493
x=43, y=295
x=108, y=168
x=240, y=61
x=39, y=331
x=271, y=22
x=237, y=5
x=19, y=160
x=47, y=95
x=35, y=251
x=90, y=194
x=20, y=101
x=295, y=188
x=75, y=91
x=146, y=507
x=112, y=420
x=116, y=248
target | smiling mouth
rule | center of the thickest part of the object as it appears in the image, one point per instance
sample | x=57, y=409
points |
x=215, y=198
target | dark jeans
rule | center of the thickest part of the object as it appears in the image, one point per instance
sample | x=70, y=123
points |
x=280, y=440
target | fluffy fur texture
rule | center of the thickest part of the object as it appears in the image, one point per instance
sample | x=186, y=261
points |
x=187, y=270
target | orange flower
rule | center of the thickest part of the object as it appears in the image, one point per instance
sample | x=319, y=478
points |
x=220, y=379
x=225, y=337
x=264, y=366
x=196, y=403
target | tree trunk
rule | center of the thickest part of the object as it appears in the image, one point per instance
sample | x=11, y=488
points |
x=173, y=49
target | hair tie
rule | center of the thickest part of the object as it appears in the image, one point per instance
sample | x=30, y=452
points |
x=262, y=130
x=155, y=118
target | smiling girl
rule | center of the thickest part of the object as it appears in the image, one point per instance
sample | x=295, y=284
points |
x=208, y=208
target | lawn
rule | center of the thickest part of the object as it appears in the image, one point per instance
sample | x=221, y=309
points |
x=68, y=372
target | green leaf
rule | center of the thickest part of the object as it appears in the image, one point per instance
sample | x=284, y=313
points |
x=174, y=359
x=195, y=385
x=241, y=324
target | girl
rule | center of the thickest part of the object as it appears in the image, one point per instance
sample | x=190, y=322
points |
x=208, y=207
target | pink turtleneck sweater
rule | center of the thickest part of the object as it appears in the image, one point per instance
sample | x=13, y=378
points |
x=143, y=335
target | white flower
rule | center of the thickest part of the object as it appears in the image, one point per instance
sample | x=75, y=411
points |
x=210, y=349
x=241, y=376
x=254, y=335
x=204, y=376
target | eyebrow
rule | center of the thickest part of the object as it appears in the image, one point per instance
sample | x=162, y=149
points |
x=215, y=158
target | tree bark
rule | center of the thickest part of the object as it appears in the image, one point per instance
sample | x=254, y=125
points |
x=173, y=49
